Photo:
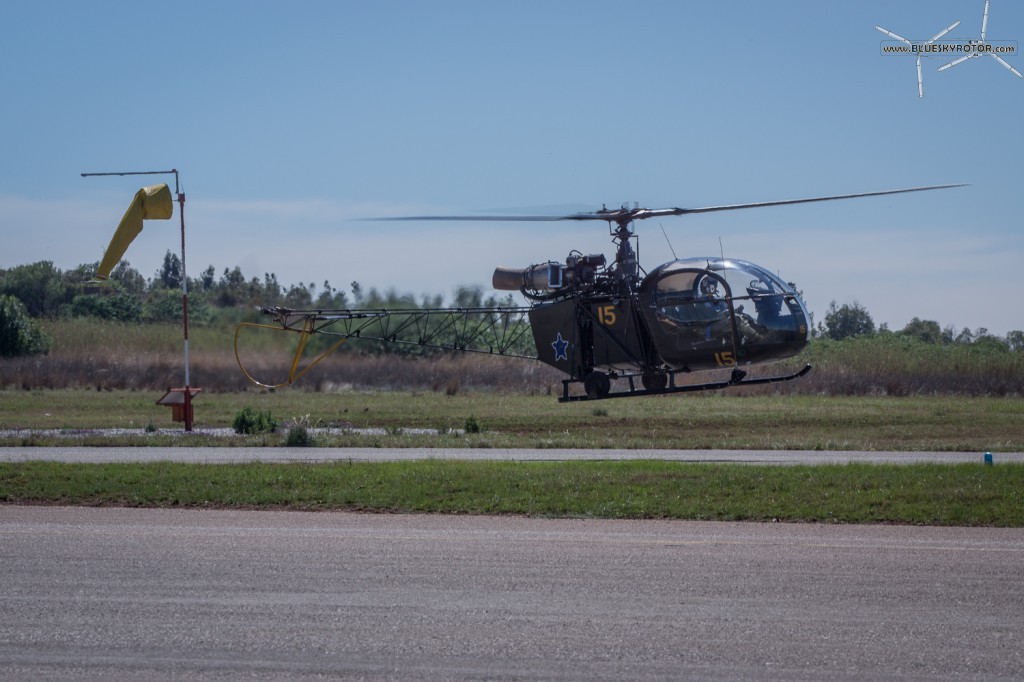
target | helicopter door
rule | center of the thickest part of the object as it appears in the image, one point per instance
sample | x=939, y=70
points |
x=691, y=320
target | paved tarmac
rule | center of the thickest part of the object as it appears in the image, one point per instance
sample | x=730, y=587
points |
x=144, y=594
x=215, y=455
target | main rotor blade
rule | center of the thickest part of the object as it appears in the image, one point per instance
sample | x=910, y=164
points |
x=1003, y=62
x=732, y=207
x=893, y=35
x=939, y=35
x=957, y=61
x=984, y=22
x=505, y=218
x=626, y=215
x=920, y=81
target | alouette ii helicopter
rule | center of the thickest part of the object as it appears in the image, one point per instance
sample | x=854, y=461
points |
x=601, y=322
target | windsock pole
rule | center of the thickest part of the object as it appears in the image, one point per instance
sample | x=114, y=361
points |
x=187, y=393
x=184, y=302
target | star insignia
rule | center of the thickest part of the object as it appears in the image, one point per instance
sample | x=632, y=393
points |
x=561, y=347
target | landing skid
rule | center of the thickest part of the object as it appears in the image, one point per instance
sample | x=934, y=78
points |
x=738, y=378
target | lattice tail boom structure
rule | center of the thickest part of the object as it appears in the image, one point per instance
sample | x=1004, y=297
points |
x=494, y=331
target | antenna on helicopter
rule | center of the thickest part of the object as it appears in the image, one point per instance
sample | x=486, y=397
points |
x=674, y=256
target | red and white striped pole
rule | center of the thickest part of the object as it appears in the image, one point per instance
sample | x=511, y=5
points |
x=187, y=396
x=184, y=302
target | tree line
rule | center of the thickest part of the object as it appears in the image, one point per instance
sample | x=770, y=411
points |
x=853, y=320
x=41, y=290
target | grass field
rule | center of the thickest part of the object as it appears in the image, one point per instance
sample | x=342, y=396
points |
x=879, y=394
x=918, y=494
x=966, y=495
x=705, y=421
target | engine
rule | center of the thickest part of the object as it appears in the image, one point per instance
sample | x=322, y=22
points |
x=577, y=271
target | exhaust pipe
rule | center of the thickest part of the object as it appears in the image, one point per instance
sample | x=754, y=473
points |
x=543, y=277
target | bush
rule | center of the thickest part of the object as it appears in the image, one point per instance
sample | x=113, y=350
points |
x=251, y=421
x=19, y=334
x=120, y=306
x=472, y=425
x=299, y=437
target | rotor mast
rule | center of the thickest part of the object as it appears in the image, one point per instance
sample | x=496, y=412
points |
x=627, y=267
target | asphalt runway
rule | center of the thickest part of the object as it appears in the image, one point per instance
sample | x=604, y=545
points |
x=215, y=455
x=142, y=594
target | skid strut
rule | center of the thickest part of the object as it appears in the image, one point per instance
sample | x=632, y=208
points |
x=737, y=378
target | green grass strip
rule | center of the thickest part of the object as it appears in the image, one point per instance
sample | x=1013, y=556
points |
x=932, y=494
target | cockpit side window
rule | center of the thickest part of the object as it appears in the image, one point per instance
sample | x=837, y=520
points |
x=689, y=298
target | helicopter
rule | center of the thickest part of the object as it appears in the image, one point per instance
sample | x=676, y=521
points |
x=605, y=325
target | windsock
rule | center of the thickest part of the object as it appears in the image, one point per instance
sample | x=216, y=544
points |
x=150, y=203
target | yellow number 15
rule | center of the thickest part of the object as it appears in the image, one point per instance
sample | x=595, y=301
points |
x=606, y=314
x=725, y=359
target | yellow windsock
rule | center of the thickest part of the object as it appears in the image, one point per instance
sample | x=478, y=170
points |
x=150, y=203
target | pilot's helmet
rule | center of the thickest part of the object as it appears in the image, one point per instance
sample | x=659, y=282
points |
x=759, y=287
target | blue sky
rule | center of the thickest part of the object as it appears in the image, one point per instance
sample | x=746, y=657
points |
x=289, y=120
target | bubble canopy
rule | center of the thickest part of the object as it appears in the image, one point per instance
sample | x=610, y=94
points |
x=713, y=312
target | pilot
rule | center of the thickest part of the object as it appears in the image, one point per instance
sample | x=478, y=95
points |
x=767, y=302
x=697, y=315
x=709, y=287
x=721, y=329
x=714, y=309
x=712, y=301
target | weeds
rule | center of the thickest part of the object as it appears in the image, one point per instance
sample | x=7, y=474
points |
x=105, y=356
x=300, y=434
x=299, y=437
x=249, y=421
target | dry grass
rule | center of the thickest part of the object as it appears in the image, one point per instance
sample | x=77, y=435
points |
x=100, y=355
x=110, y=356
